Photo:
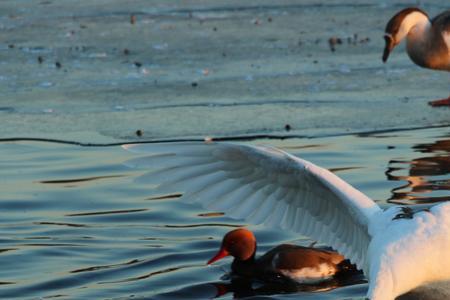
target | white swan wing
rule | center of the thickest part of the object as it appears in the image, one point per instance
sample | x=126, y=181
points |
x=263, y=185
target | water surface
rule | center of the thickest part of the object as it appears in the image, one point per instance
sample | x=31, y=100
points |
x=76, y=224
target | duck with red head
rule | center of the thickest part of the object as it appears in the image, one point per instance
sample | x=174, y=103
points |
x=427, y=41
x=303, y=265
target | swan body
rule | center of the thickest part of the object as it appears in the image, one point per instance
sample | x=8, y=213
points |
x=397, y=249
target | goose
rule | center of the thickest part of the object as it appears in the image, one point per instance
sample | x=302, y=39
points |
x=398, y=249
x=427, y=41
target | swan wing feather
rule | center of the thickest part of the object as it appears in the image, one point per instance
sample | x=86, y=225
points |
x=264, y=185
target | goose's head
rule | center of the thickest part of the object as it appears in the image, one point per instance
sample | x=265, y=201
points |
x=239, y=243
x=399, y=26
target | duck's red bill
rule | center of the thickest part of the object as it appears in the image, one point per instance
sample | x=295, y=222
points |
x=221, y=254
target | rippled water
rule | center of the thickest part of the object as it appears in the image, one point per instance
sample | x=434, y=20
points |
x=75, y=223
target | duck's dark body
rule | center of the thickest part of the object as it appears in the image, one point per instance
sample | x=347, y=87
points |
x=295, y=263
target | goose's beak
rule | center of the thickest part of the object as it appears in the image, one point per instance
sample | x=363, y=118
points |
x=390, y=44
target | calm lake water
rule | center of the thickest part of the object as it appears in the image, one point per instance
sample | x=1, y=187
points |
x=76, y=224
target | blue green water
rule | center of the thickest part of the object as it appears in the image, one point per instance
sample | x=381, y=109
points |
x=76, y=225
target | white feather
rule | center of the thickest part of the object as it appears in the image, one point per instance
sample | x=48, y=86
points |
x=266, y=185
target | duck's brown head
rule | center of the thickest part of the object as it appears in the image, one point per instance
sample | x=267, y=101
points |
x=398, y=27
x=239, y=243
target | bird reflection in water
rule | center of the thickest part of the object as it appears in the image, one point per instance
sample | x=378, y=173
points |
x=243, y=287
x=427, y=176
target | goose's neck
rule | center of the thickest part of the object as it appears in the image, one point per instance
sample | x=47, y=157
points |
x=419, y=38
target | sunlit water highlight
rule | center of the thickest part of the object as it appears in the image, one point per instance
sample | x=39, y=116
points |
x=75, y=223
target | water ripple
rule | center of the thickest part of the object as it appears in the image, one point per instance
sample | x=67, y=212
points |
x=95, y=213
x=78, y=180
x=96, y=268
x=128, y=244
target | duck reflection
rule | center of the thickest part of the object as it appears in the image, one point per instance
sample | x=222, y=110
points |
x=240, y=287
x=243, y=287
x=427, y=177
